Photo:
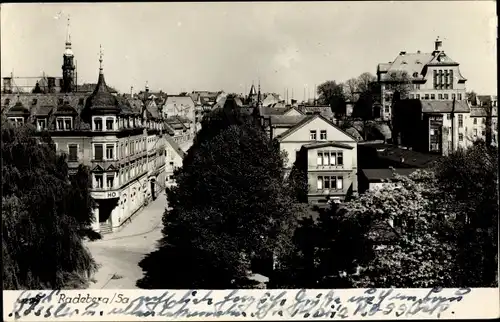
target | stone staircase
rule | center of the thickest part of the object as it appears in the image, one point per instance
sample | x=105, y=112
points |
x=105, y=228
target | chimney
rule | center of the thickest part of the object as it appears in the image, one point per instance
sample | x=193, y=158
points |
x=402, y=53
x=7, y=85
x=438, y=44
x=418, y=51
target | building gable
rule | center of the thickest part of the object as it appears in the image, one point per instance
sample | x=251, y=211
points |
x=301, y=132
x=292, y=112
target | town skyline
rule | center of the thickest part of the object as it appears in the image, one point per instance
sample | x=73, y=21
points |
x=271, y=42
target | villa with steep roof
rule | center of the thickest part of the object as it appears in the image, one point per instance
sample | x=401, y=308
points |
x=431, y=76
x=326, y=153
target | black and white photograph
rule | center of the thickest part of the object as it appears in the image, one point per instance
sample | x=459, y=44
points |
x=249, y=145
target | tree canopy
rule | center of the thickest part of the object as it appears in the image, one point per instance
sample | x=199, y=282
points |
x=434, y=228
x=229, y=207
x=45, y=215
x=332, y=94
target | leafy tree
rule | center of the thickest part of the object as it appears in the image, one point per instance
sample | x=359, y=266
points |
x=44, y=215
x=297, y=182
x=400, y=83
x=351, y=90
x=230, y=205
x=417, y=256
x=469, y=180
x=472, y=97
x=332, y=94
x=365, y=82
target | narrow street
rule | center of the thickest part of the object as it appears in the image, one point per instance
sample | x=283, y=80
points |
x=119, y=254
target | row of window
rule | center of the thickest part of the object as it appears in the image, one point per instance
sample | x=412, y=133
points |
x=433, y=96
x=330, y=158
x=99, y=151
x=107, y=180
x=99, y=181
x=330, y=182
x=108, y=123
x=135, y=146
x=313, y=135
x=98, y=123
x=443, y=79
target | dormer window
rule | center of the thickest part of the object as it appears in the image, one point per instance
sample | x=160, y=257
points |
x=81, y=101
x=16, y=121
x=109, y=124
x=64, y=123
x=41, y=124
x=7, y=101
x=34, y=101
x=97, y=124
x=60, y=101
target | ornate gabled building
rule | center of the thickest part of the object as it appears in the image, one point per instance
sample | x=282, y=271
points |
x=121, y=140
x=428, y=76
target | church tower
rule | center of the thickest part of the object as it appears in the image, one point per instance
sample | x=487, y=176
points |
x=68, y=67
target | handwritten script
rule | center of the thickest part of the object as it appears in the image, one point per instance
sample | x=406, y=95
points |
x=242, y=304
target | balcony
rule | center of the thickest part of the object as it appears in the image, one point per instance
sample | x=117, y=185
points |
x=105, y=164
x=326, y=192
x=338, y=167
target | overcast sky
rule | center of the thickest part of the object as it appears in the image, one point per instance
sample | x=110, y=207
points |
x=213, y=46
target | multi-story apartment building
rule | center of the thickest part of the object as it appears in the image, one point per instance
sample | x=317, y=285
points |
x=424, y=76
x=121, y=140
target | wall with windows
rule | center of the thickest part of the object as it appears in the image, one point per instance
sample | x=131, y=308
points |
x=331, y=171
x=78, y=148
x=314, y=131
x=477, y=125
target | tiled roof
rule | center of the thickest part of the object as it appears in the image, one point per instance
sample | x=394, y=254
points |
x=411, y=158
x=179, y=101
x=414, y=64
x=485, y=99
x=222, y=101
x=169, y=129
x=89, y=88
x=435, y=106
x=354, y=133
x=326, y=111
x=282, y=120
x=410, y=63
x=135, y=105
x=481, y=112
x=175, y=146
x=43, y=104
x=442, y=59
x=267, y=110
x=383, y=67
x=384, y=174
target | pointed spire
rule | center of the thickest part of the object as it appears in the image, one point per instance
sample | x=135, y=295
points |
x=68, y=34
x=100, y=59
x=258, y=95
x=68, y=51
